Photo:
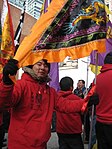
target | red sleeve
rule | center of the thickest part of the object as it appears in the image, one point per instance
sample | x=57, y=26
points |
x=64, y=104
x=9, y=95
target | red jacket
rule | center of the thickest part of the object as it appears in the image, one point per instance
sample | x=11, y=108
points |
x=104, y=90
x=69, y=123
x=32, y=108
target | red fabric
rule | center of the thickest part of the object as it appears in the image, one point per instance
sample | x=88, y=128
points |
x=69, y=123
x=86, y=99
x=1, y=77
x=31, y=115
x=104, y=90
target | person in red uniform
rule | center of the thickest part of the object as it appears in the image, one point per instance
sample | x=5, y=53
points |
x=32, y=104
x=69, y=125
x=104, y=108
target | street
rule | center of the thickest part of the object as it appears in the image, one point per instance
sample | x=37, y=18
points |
x=53, y=142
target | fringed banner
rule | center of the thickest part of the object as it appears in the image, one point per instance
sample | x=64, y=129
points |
x=69, y=28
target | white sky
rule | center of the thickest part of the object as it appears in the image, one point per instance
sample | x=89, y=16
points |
x=80, y=73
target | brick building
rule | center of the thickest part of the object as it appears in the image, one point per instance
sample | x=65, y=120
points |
x=29, y=21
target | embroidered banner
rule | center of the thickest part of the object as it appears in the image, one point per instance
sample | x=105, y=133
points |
x=69, y=28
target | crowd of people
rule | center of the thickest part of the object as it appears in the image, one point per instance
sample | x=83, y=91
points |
x=32, y=103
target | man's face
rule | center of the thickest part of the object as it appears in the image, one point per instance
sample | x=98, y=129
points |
x=40, y=69
x=80, y=84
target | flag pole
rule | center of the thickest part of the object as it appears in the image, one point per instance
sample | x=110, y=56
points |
x=110, y=8
x=93, y=108
x=87, y=74
x=19, y=27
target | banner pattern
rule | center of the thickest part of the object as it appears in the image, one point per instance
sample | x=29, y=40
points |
x=75, y=25
x=71, y=28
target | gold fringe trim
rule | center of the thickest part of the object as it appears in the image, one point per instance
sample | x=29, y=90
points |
x=60, y=54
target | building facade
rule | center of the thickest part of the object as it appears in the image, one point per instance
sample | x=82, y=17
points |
x=33, y=7
x=17, y=3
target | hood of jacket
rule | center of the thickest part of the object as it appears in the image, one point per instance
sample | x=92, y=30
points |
x=106, y=67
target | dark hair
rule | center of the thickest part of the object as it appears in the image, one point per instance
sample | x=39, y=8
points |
x=66, y=83
x=48, y=64
x=108, y=58
x=82, y=81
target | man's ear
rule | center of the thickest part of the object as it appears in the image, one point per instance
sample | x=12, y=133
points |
x=71, y=88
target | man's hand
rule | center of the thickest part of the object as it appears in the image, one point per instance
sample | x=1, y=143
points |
x=9, y=69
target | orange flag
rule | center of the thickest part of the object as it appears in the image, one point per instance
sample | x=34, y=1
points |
x=66, y=29
x=7, y=37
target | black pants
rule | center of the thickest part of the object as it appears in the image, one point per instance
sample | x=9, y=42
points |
x=6, y=120
x=2, y=134
x=86, y=122
x=87, y=126
x=70, y=141
x=104, y=135
x=54, y=122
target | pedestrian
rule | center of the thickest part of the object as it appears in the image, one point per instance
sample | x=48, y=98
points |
x=32, y=103
x=80, y=89
x=69, y=125
x=104, y=108
x=81, y=92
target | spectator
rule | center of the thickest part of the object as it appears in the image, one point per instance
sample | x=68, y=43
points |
x=81, y=89
x=81, y=92
x=69, y=125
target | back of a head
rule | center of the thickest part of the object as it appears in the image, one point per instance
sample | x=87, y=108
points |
x=108, y=58
x=66, y=83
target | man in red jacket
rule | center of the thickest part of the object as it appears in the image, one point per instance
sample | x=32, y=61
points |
x=104, y=108
x=32, y=104
x=69, y=125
